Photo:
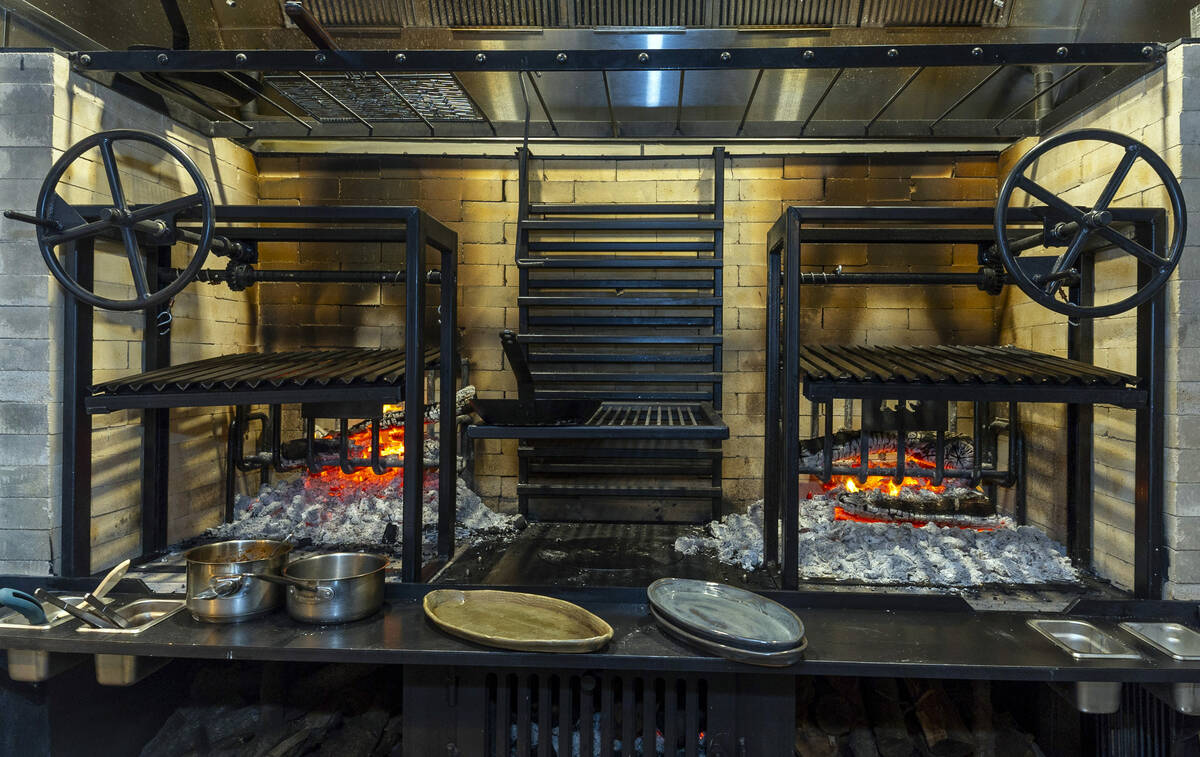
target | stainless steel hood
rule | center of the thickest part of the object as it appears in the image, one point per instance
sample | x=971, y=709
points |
x=641, y=104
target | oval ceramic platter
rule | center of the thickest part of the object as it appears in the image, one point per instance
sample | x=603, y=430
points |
x=515, y=620
x=778, y=659
x=726, y=614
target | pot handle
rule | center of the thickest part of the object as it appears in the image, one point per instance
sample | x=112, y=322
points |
x=311, y=587
x=222, y=587
x=310, y=593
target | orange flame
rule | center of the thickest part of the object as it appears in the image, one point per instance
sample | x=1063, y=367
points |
x=885, y=483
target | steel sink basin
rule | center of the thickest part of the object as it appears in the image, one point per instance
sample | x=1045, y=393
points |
x=1083, y=641
x=1172, y=639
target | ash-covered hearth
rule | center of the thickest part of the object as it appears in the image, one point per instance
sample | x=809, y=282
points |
x=895, y=552
x=334, y=508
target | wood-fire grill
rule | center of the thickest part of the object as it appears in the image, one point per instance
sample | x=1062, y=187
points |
x=934, y=375
x=332, y=384
x=472, y=698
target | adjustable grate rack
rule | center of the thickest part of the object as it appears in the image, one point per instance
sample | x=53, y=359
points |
x=327, y=383
x=945, y=373
x=622, y=303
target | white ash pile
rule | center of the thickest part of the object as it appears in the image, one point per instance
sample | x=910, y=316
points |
x=895, y=553
x=337, y=512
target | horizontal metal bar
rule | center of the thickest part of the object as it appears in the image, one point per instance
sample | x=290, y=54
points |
x=664, y=358
x=642, y=284
x=622, y=224
x=613, y=339
x=897, y=278
x=580, y=377
x=844, y=470
x=713, y=58
x=818, y=391
x=629, y=302
x=618, y=209
x=254, y=275
x=262, y=396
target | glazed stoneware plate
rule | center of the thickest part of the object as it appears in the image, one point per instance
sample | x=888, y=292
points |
x=515, y=620
x=780, y=659
x=726, y=614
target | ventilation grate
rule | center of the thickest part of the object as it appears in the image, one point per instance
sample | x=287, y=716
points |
x=647, y=13
x=934, y=13
x=353, y=13
x=768, y=13
x=494, y=13
x=595, y=714
x=437, y=97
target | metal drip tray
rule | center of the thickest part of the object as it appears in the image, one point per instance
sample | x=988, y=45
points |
x=1083, y=641
x=141, y=614
x=1172, y=639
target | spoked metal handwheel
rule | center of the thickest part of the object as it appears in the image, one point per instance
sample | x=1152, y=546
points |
x=59, y=224
x=1075, y=227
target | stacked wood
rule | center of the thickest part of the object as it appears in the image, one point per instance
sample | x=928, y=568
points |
x=851, y=717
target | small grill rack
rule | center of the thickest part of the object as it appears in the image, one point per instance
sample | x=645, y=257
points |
x=624, y=420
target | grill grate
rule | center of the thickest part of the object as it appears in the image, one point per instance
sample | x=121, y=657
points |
x=945, y=364
x=353, y=13
x=649, y=13
x=613, y=414
x=437, y=97
x=278, y=370
x=494, y=13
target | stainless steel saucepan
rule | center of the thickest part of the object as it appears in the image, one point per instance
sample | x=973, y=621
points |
x=335, y=588
x=206, y=565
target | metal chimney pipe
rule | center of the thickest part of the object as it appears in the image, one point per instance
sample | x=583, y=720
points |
x=1042, y=77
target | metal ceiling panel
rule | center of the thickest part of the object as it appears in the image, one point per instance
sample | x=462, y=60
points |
x=934, y=13
x=436, y=97
x=744, y=13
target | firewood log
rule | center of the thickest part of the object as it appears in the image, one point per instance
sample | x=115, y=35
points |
x=886, y=710
x=981, y=719
x=861, y=741
x=941, y=724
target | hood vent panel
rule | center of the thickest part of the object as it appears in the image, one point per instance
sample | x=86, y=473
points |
x=934, y=13
x=549, y=14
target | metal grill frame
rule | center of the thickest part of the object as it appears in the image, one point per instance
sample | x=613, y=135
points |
x=940, y=225
x=420, y=234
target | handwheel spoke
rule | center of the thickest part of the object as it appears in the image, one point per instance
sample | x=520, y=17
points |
x=167, y=208
x=114, y=176
x=1114, y=183
x=1132, y=247
x=77, y=232
x=1068, y=258
x=136, y=265
x=1041, y=193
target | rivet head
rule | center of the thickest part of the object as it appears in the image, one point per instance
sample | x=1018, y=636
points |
x=162, y=59
x=1061, y=52
x=480, y=58
x=1147, y=51
x=643, y=57
x=400, y=57
x=239, y=58
x=320, y=57
x=809, y=55
x=976, y=51
x=893, y=52
x=85, y=60
x=725, y=56
x=561, y=57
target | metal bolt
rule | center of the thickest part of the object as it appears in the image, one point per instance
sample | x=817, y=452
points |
x=400, y=57
x=808, y=55
x=239, y=58
x=1147, y=51
x=643, y=57
x=976, y=51
x=725, y=56
x=162, y=59
x=561, y=57
x=1133, y=149
x=85, y=60
x=1061, y=52
x=480, y=58
x=320, y=57
x=893, y=52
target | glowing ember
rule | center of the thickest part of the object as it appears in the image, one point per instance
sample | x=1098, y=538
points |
x=840, y=513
